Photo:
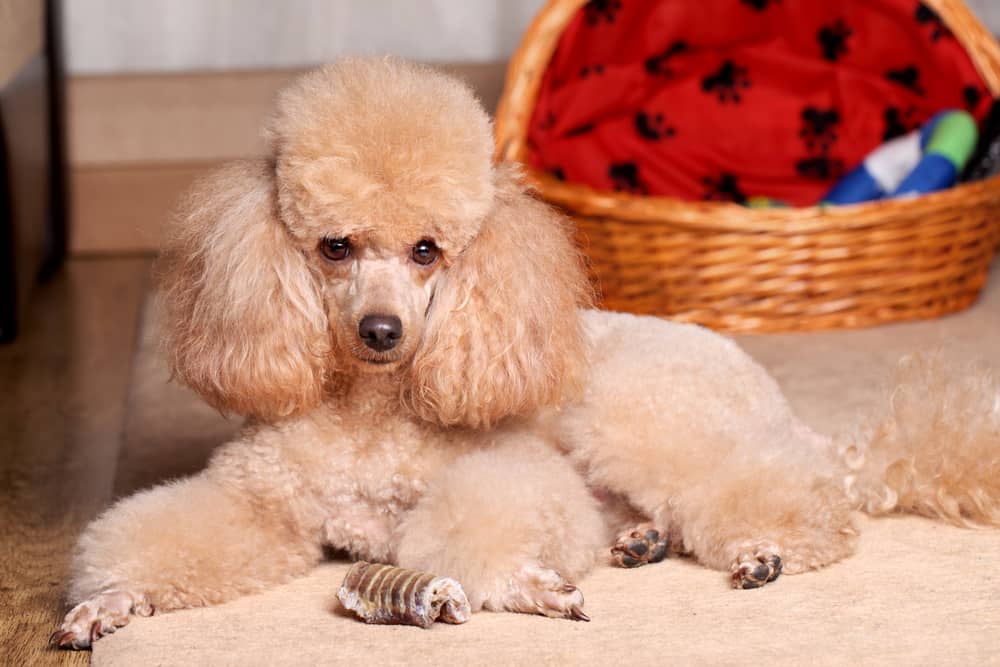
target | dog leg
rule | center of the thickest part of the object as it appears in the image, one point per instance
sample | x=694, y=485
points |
x=758, y=524
x=184, y=544
x=515, y=525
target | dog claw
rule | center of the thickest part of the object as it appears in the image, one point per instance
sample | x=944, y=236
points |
x=540, y=590
x=63, y=639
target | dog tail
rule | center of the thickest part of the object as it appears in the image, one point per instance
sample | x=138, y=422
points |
x=934, y=447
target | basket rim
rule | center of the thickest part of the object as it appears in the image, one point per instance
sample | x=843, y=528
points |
x=523, y=80
x=728, y=216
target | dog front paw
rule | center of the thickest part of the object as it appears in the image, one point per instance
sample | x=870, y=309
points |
x=99, y=616
x=538, y=590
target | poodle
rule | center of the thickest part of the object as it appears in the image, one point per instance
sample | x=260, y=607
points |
x=412, y=340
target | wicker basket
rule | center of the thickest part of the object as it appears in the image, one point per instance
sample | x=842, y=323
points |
x=739, y=269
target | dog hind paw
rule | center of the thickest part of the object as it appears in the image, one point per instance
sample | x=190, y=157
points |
x=639, y=547
x=754, y=568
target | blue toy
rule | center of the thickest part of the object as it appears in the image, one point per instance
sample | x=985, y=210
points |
x=923, y=161
x=946, y=153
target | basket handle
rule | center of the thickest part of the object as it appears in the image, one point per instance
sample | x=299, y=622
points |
x=974, y=37
x=524, y=78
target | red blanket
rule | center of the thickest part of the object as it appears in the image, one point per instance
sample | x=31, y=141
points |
x=729, y=99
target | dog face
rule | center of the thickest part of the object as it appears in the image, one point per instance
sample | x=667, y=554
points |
x=381, y=186
x=378, y=293
x=377, y=238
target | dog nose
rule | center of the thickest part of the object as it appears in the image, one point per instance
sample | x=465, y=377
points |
x=380, y=332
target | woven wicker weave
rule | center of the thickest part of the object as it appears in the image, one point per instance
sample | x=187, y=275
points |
x=739, y=269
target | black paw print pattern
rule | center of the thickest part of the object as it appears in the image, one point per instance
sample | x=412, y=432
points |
x=724, y=187
x=833, y=39
x=898, y=122
x=597, y=11
x=625, y=177
x=928, y=17
x=760, y=5
x=587, y=70
x=819, y=128
x=547, y=122
x=727, y=82
x=908, y=77
x=580, y=129
x=821, y=167
x=653, y=127
x=659, y=64
x=973, y=95
x=819, y=133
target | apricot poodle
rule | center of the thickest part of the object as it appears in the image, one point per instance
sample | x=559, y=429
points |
x=410, y=336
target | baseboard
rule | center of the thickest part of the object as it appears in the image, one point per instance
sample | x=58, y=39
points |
x=154, y=118
x=136, y=142
x=157, y=118
x=125, y=209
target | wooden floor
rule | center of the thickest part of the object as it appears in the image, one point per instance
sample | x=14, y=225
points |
x=63, y=387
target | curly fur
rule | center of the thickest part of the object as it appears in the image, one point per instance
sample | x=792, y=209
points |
x=230, y=273
x=509, y=429
x=933, y=448
x=478, y=364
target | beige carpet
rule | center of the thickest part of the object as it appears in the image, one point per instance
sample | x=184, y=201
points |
x=917, y=592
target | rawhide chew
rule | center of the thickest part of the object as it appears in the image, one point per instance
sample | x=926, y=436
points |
x=390, y=595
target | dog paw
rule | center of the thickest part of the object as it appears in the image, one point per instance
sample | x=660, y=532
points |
x=755, y=567
x=539, y=590
x=101, y=615
x=643, y=545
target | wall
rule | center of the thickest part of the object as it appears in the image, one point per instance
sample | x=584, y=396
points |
x=989, y=11
x=107, y=36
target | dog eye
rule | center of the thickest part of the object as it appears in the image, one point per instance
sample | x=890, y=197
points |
x=424, y=252
x=335, y=249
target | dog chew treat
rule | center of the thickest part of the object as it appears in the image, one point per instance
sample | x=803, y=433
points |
x=390, y=595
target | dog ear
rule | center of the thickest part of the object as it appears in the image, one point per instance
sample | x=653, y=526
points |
x=504, y=334
x=245, y=322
